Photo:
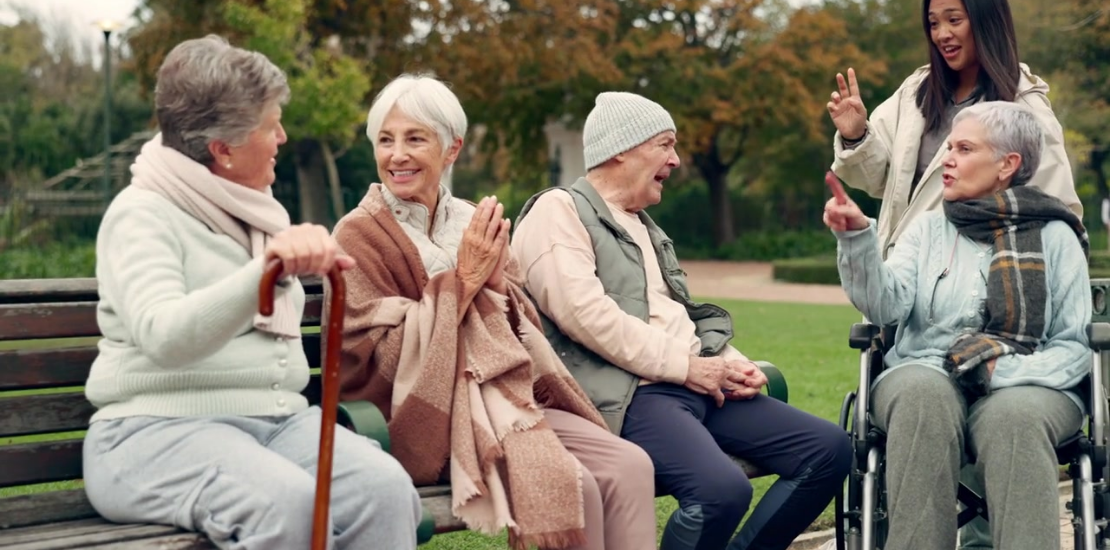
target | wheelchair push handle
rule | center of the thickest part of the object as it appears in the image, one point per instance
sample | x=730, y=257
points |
x=1099, y=335
x=330, y=382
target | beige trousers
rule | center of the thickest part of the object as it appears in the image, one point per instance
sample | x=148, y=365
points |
x=618, y=484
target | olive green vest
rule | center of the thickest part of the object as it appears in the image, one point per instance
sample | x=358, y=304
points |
x=620, y=266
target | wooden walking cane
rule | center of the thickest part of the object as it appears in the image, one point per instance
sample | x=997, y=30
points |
x=329, y=379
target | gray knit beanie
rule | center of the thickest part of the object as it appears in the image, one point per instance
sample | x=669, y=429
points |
x=619, y=122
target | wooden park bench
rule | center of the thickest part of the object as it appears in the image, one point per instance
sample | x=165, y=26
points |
x=43, y=411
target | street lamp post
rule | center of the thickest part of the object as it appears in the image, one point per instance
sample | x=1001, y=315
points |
x=107, y=26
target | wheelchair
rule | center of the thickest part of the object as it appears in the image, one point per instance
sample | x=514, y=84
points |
x=861, y=508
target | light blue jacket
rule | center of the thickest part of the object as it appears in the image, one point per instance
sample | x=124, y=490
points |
x=909, y=290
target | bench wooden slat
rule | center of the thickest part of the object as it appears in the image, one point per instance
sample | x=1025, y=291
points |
x=29, y=463
x=39, y=508
x=64, y=534
x=30, y=369
x=45, y=368
x=44, y=532
x=61, y=508
x=37, y=414
x=108, y=535
x=40, y=291
x=437, y=500
x=78, y=319
x=180, y=541
x=34, y=321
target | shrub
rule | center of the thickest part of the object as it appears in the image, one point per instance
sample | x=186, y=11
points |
x=775, y=245
x=820, y=270
x=52, y=261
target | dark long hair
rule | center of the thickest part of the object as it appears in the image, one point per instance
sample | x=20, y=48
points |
x=992, y=25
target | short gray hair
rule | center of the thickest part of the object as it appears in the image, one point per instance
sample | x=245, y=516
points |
x=1011, y=128
x=208, y=90
x=424, y=99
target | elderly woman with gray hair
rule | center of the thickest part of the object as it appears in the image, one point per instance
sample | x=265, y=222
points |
x=992, y=299
x=201, y=422
x=441, y=337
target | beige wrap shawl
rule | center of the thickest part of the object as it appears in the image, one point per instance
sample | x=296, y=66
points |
x=467, y=393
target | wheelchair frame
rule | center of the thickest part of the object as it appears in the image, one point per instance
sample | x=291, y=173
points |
x=861, y=508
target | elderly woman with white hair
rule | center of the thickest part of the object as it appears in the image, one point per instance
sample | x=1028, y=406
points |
x=201, y=422
x=441, y=337
x=992, y=299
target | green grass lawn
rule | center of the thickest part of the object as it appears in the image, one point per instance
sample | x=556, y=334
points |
x=807, y=342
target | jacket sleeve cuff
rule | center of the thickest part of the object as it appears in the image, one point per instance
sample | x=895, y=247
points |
x=676, y=366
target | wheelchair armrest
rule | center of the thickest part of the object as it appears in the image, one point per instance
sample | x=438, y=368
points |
x=1099, y=335
x=862, y=335
x=364, y=418
x=776, y=382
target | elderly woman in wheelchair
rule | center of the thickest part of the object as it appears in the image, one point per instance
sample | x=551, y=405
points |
x=991, y=298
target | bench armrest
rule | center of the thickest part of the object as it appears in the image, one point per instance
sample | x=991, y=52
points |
x=364, y=418
x=776, y=382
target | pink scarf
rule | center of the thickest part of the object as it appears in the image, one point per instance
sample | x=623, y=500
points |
x=247, y=215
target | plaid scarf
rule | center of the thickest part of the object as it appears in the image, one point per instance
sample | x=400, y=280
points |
x=1014, y=319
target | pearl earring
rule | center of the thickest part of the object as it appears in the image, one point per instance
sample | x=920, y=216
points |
x=228, y=166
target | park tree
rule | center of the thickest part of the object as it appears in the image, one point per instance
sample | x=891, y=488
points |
x=739, y=76
x=53, y=101
x=328, y=85
x=519, y=64
x=735, y=74
x=1070, y=41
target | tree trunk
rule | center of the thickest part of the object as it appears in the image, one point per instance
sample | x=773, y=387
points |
x=1097, y=164
x=337, y=206
x=721, y=207
x=715, y=173
x=312, y=181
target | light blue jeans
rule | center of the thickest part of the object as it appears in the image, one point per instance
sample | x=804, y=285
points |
x=248, y=482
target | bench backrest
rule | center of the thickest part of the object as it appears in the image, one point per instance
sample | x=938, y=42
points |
x=51, y=324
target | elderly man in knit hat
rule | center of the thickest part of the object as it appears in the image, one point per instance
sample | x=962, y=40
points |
x=658, y=365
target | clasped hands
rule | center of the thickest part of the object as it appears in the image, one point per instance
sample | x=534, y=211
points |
x=484, y=250
x=724, y=379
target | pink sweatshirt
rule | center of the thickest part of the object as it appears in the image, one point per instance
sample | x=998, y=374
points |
x=557, y=257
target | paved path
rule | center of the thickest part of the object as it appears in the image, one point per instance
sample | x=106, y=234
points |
x=752, y=281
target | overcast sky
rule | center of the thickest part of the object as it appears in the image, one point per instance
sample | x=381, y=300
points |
x=80, y=15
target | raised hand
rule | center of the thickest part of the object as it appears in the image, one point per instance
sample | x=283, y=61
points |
x=482, y=245
x=846, y=108
x=844, y=216
x=496, y=279
x=837, y=189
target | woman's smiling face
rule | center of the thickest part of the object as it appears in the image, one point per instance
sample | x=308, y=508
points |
x=411, y=160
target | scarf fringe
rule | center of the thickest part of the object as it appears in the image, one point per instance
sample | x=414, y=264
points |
x=529, y=422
